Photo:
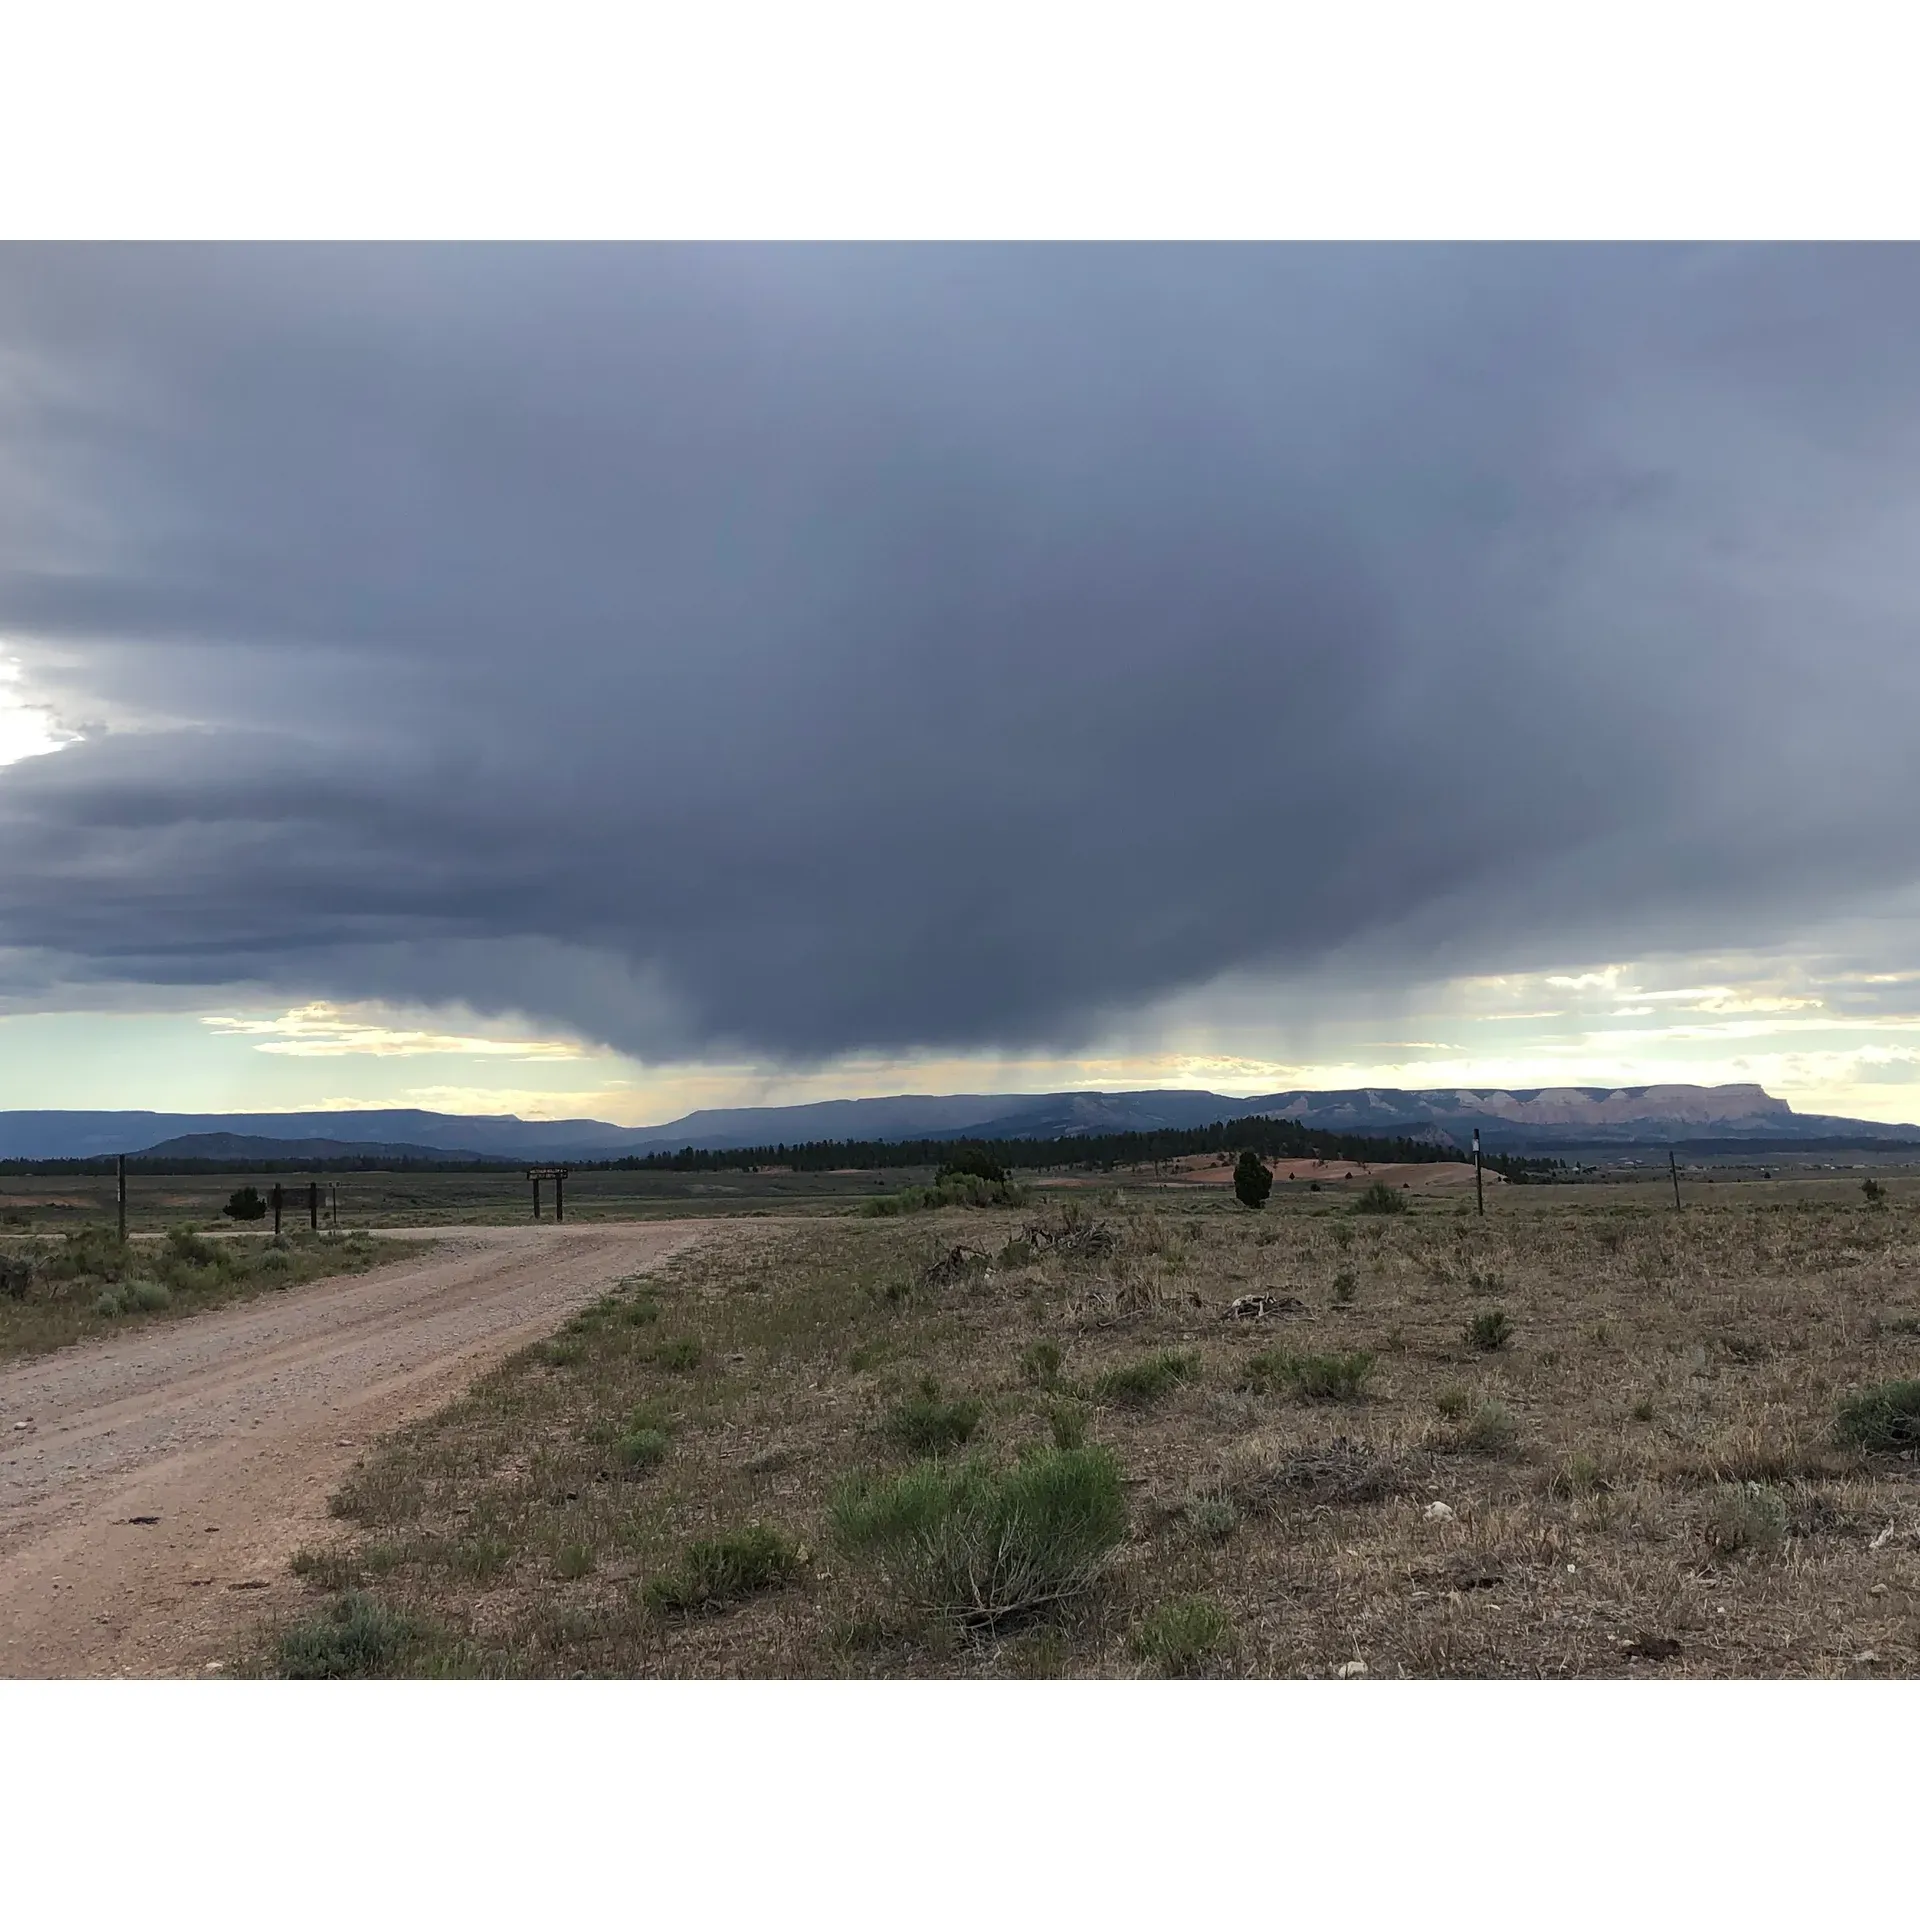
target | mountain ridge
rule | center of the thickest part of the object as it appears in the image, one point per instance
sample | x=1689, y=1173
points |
x=1534, y=1117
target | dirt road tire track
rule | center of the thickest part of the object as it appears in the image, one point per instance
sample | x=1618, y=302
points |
x=153, y=1485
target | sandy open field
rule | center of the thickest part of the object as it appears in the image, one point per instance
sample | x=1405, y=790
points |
x=152, y=1486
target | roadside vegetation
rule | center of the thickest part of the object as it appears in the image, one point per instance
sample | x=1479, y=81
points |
x=54, y=1291
x=1174, y=1436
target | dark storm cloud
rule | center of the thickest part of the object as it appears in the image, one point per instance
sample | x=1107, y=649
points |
x=797, y=650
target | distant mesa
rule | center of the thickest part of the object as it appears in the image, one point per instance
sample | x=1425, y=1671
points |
x=1528, y=1119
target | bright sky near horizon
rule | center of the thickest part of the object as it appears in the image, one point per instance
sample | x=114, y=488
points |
x=617, y=681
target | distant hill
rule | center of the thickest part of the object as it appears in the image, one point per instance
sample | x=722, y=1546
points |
x=1527, y=1120
x=257, y=1146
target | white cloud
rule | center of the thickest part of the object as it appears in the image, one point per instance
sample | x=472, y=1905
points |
x=321, y=1030
x=27, y=727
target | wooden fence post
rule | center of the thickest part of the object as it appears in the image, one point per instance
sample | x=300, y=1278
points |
x=120, y=1169
x=277, y=1198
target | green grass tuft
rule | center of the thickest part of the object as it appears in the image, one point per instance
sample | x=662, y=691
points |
x=1182, y=1637
x=984, y=1545
x=641, y=1449
x=357, y=1638
x=929, y=1424
x=1313, y=1376
x=1489, y=1332
x=1148, y=1380
x=1882, y=1419
x=715, y=1573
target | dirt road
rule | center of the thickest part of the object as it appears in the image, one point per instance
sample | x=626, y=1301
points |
x=153, y=1485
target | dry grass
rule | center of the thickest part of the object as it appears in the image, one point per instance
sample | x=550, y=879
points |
x=1643, y=1476
x=56, y=1290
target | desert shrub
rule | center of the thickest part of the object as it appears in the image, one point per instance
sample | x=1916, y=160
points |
x=16, y=1276
x=1147, y=1380
x=91, y=1253
x=1345, y=1287
x=357, y=1638
x=1745, y=1517
x=1875, y=1192
x=192, y=1249
x=1212, y=1516
x=681, y=1355
x=132, y=1296
x=1181, y=1637
x=1882, y=1419
x=962, y=1190
x=714, y=1573
x=983, y=1544
x=1454, y=1402
x=1041, y=1363
x=1489, y=1332
x=1313, y=1376
x=639, y=1310
x=928, y=1424
x=1642, y=1409
x=1489, y=1428
x=1380, y=1198
x=1068, y=1423
x=245, y=1204
x=1252, y=1180
x=641, y=1449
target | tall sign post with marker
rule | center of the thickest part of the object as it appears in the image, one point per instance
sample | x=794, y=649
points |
x=1479, y=1193
x=120, y=1173
x=1673, y=1168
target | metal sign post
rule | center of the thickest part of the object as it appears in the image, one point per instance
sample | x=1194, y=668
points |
x=120, y=1164
x=1479, y=1193
x=1673, y=1169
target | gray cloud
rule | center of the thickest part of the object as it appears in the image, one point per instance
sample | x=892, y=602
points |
x=788, y=650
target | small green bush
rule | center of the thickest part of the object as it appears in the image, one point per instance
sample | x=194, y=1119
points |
x=1068, y=1422
x=1147, y=1380
x=1313, y=1376
x=981, y=1544
x=678, y=1356
x=357, y=1638
x=1882, y=1419
x=1489, y=1428
x=1041, y=1363
x=1875, y=1192
x=1380, y=1198
x=928, y=1424
x=1743, y=1518
x=132, y=1296
x=1181, y=1637
x=1212, y=1516
x=246, y=1204
x=641, y=1449
x=962, y=1190
x=1489, y=1332
x=185, y=1245
x=1345, y=1286
x=715, y=1573
x=641, y=1310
